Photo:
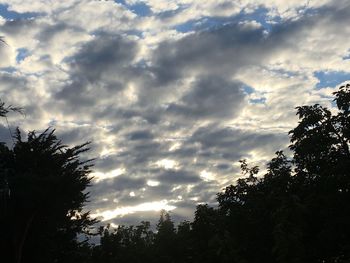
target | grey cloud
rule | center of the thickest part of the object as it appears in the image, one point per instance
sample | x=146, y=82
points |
x=98, y=71
x=107, y=163
x=49, y=31
x=211, y=97
x=149, y=114
x=205, y=192
x=17, y=27
x=233, y=143
x=5, y=135
x=210, y=51
x=103, y=55
x=178, y=177
x=128, y=182
x=120, y=183
x=160, y=192
x=220, y=52
x=144, y=151
x=223, y=166
x=9, y=81
x=74, y=135
x=140, y=135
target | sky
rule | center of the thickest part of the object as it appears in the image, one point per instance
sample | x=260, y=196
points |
x=172, y=94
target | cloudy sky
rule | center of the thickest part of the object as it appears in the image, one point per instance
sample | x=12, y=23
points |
x=172, y=93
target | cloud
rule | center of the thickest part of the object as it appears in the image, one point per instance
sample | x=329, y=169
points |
x=140, y=135
x=177, y=177
x=198, y=53
x=97, y=71
x=211, y=97
x=171, y=96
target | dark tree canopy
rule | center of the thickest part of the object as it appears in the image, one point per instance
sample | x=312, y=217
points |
x=44, y=211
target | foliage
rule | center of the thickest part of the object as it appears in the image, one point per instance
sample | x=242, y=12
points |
x=44, y=213
x=4, y=109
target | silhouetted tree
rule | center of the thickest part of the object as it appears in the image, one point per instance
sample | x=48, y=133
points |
x=48, y=190
x=300, y=214
x=125, y=244
x=320, y=144
x=165, y=238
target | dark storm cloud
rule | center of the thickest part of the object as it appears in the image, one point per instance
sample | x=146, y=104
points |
x=211, y=97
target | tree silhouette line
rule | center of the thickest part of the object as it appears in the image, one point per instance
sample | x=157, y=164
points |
x=297, y=211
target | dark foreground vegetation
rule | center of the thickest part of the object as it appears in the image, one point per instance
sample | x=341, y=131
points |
x=298, y=211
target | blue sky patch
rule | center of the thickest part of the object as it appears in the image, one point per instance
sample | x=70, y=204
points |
x=22, y=53
x=140, y=9
x=248, y=89
x=258, y=101
x=186, y=27
x=8, y=69
x=331, y=78
x=205, y=23
x=12, y=15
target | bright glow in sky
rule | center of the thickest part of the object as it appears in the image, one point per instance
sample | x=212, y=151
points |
x=144, y=207
x=152, y=183
x=207, y=176
x=99, y=176
x=167, y=164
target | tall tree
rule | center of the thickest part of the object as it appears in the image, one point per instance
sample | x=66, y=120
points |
x=320, y=144
x=165, y=239
x=48, y=190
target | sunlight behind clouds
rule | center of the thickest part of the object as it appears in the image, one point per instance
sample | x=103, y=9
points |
x=152, y=183
x=207, y=176
x=122, y=211
x=99, y=176
x=167, y=164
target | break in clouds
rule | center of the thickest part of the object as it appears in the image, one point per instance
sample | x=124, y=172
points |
x=170, y=93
